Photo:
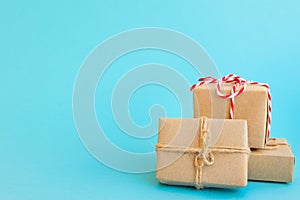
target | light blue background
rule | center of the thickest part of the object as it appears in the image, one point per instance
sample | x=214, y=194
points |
x=43, y=44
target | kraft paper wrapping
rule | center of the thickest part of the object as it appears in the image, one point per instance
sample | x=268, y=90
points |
x=251, y=105
x=274, y=163
x=228, y=144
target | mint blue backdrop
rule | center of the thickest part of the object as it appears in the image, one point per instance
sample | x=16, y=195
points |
x=43, y=44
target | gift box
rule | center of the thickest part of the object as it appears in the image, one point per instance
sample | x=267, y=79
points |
x=251, y=103
x=273, y=163
x=202, y=152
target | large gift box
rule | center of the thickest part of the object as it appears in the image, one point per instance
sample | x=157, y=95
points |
x=240, y=100
x=273, y=163
x=202, y=152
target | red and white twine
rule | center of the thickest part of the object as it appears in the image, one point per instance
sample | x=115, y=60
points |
x=239, y=86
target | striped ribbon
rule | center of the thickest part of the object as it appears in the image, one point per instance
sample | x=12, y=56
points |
x=239, y=86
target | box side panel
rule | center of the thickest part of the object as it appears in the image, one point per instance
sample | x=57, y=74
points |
x=271, y=168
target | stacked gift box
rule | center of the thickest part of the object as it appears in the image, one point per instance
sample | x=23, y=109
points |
x=228, y=140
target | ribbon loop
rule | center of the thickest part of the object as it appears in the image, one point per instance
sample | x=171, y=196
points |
x=209, y=159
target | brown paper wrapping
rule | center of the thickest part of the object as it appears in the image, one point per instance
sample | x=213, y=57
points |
x=251, y=105
x=274, y=163
x=177, y=166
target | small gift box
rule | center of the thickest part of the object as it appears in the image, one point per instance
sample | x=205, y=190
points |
x=233, y=97
x=202, y=152
x=275, y=162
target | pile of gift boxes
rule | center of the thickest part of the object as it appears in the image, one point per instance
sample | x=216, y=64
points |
x=227, y=142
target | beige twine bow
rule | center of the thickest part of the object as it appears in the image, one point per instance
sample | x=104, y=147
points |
x=204, y=157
